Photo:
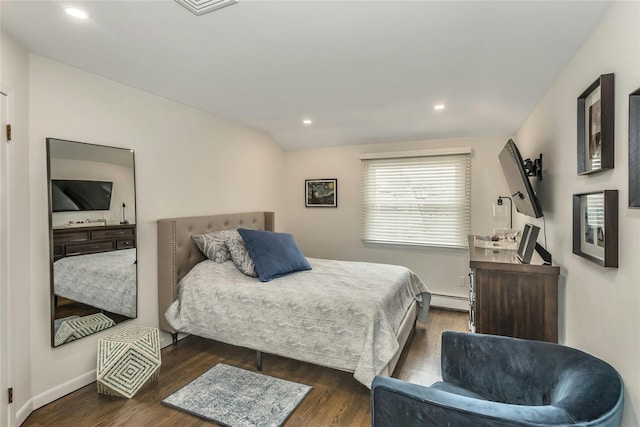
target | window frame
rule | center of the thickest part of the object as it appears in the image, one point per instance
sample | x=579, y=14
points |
x=459, y=158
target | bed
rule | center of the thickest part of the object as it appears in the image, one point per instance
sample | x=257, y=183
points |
x=105, y=280
x=352, y=316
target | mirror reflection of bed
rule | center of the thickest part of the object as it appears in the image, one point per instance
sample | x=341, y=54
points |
x=92, y=238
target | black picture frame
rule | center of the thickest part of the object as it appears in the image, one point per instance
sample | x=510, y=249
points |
x=595, y=227
x=528, y=243
x=321, y=193
x=596, y=126
x=634, y=149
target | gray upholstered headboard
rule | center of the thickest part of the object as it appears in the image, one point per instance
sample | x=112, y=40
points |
x=177, y=254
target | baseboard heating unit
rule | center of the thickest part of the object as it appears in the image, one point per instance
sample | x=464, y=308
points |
x=451, y=302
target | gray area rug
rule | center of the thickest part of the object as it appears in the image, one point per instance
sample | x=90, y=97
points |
x=235, y=397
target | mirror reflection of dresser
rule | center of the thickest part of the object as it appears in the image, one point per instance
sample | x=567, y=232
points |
x=70, y=241
x=92, y=222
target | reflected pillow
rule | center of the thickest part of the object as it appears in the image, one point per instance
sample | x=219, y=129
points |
x=273, y=254
x=240, y=254
x=213, y=245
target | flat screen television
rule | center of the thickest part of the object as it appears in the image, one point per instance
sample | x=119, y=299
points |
x=513, y=167
x=75, y=195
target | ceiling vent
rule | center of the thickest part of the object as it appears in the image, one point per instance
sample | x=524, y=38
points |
x=200, y=7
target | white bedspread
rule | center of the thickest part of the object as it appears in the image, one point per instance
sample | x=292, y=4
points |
x=340, y=314
x=105, y=280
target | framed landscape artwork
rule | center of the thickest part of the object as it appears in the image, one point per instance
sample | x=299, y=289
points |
x=321, y=193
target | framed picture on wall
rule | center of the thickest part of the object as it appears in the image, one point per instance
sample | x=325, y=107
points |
x=634, y=149
x=321, y=193
x=596, y=127
x=595, y=227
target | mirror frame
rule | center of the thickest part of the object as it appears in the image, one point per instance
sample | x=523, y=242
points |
x=52, y=296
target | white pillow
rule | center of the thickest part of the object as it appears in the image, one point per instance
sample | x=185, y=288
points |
x=240, y=254
x=213, y=245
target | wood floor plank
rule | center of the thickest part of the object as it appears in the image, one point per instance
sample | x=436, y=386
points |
x=336, y=399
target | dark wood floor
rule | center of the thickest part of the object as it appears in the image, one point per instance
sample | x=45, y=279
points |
x=336, y=399
x=67, y=307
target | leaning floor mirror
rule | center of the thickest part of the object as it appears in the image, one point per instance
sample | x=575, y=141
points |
x=92, y=226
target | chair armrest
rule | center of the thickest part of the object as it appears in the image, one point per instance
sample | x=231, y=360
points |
x=397, y=402
x=499, y=368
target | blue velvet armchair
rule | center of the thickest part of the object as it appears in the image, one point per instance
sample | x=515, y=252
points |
x=498, y=381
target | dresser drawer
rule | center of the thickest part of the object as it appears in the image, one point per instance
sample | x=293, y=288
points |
x=92, y=239
x=71, y=236
x=125, y=243
x=89, y=248
x=112, y=233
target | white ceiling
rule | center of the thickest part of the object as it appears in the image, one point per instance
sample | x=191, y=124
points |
x=363, y=71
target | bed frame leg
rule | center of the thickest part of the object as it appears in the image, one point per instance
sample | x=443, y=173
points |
x=174, y=338
x=258, y=360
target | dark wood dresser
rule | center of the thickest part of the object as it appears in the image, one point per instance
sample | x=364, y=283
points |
x=509, y=298
x=69, y=241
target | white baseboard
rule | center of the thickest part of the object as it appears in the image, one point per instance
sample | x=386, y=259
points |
x=450, y=302
x=53, y=394
x=24, y=412
x=63, y=389
x=70, y=386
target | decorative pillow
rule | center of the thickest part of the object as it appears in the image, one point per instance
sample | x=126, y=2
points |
x=213, y=245
x=240, y=254
x=274, y=254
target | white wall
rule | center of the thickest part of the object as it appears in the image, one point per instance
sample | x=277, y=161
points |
x=14, y=71
x=187, y=163
x=335, y=232
x=191, y=163
x=600, y=307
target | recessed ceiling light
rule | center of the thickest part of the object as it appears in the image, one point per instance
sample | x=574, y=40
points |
x=307, y=122
x=438, y=107
x=200, y=7
x=76, y=13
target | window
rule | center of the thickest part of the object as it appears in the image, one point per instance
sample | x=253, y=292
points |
x=418, y=199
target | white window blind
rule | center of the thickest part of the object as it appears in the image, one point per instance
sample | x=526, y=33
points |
x=419, y=200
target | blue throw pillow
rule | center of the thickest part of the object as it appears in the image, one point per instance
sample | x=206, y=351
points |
x=274, y=254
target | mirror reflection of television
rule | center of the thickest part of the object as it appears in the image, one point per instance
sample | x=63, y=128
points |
x=524, y=198
x=528, y=243
x=77, y=195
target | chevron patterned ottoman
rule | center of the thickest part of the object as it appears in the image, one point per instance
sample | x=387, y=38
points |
x=77, y=327
x=128, y=360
